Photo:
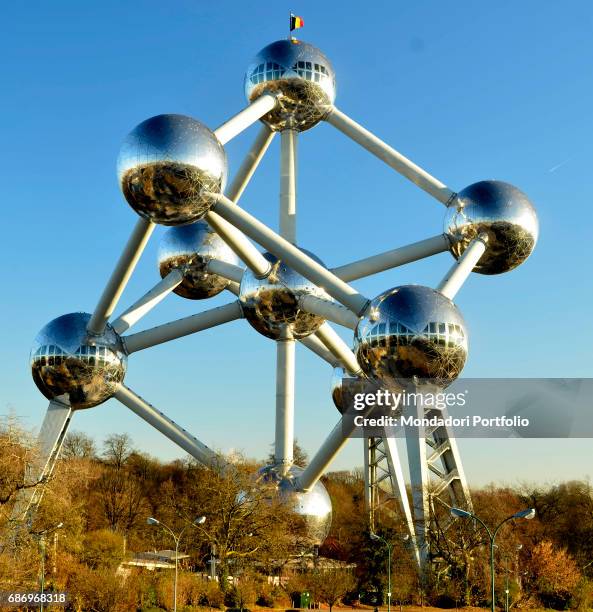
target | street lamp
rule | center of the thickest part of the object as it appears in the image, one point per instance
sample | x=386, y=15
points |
x=200, y=520
x=41, y=539
x=378, y=538
x=507, y=590
x=528, y=514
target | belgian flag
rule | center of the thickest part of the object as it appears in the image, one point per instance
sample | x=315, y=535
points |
x=296, y=22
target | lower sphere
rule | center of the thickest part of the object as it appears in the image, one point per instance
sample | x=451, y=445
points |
x=271, y=304
x=313, y=506
x=67, y=360
x=344, y=387
x=411, y=335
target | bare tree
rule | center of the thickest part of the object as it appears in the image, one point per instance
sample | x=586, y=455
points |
x=117, y=448
x=78, y=445
x=331, y=585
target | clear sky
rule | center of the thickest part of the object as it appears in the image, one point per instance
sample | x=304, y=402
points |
x=469, y=90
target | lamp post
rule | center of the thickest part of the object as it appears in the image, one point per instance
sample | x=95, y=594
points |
x=41, y=539
x=389, y=545
x=200, y=520
x=525, y=514
x=506, y=591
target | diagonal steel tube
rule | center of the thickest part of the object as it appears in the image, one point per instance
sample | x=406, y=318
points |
x=120, y=276
x=148, y=301
x=315, y=345
x=243, y=119
x=392, y=259
x=329, y=310
x=290, y=254
x=167, y=427
x=462, y=268
x=339, y=349
x=182, y=327
x=226, y=270
x=390, y=156
x=253, y=259
x=332, y=445
x=250, y=163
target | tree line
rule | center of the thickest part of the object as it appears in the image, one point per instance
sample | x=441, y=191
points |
x=103, y=495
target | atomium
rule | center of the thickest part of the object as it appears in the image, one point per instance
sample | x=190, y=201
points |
x=168, y=165
x=190, y=248
x=67, y=360
x=313, y=506
x=301, y=75
x=172, y=171
x=504, y=214
x=412, y=334
x=271, y=304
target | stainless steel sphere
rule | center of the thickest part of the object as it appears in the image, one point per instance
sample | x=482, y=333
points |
x=303, y=77
x=66, y=360
x=190, y=248
x=344, y=386
x=411, y=334
x=504, y=213
x=314, y=506
x=166, y=166
x=272, y=304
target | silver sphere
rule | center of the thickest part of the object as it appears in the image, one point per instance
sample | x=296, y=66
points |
x=65, y=359
x=303, y=77
x=344, y=386
x=191, y=247
x=504, y=213
x=314, y=506
x=411, y=334
x=166, y=166
x=271, y=304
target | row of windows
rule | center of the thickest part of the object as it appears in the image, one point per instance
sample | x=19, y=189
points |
x=269, y=71
x=447, y=334
x=52, y=354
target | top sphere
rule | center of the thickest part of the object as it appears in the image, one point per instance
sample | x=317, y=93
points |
x=66, y=359
x=301, y=74
x=504, y=213
x=411, y=334
x=166, y=166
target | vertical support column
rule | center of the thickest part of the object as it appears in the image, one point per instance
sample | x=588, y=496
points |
x=398, y=487
x=49, y=444
x=370, y=478
x=285, y=347
x=288, y=170
x=448, y=451
x=284, y=438
x=419, y=479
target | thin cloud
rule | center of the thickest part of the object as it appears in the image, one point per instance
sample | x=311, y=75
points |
x=557, y=166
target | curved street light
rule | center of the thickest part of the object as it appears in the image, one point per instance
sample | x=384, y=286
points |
x=200, y=520
x=528, y=514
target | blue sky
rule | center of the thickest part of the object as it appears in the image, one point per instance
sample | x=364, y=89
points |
x=469, y=90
